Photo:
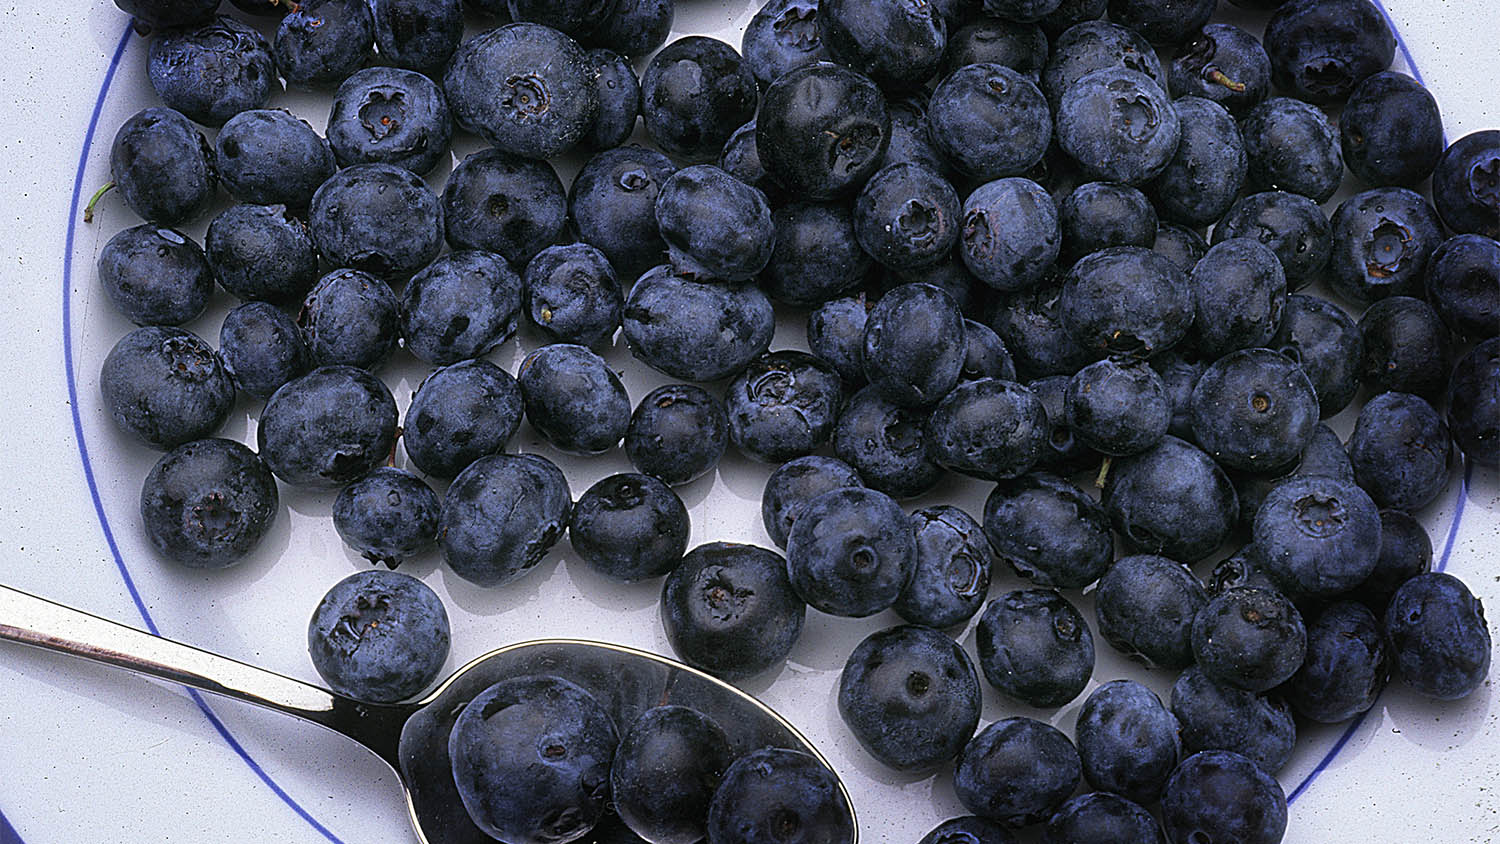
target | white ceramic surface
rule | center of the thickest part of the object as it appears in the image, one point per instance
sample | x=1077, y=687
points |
x=88, y=754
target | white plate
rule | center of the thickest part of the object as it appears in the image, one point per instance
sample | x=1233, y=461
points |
x=88, y=754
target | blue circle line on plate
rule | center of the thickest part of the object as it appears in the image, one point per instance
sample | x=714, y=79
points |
x=8, y=834
x=83, y=450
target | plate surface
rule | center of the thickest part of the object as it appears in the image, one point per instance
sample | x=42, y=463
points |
x=88, y=754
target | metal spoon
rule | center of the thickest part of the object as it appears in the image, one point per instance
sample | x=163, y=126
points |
x=413, y=737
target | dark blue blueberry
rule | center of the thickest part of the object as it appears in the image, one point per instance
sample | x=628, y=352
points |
x=1390, y=130
x=910, y=141
x=1117, y=408
x=571, y=294
x=1092, y=45
x=270, y=157
x=1126, y=301
x=989, y=121
x=573, y=17
x=386, y=115
x=1345, y=668
x=783, y=405
x=1239, y=293
x=1171, y=22
x=1439, y=640
x=694, y=94
x=729, y=609
x=1242, y=568
x=1011, y=233
x=1020, y=10
x=1405, y=552
x=505, y=204
x=630, y=527
x=715, y=226
x=207, y=503
x=665, y=771
x=851, y=552
x=816, y=256
x=677, y=433
x=1021, y=47
x=740, y=158
x=796, y=482
x=822, y=131
x=459, y=414
x=1062, y=452
x=896, y=43
x=952, y=574
x=328, y=427
x=155, y=276
x=1401, y=451
x=1216, y=716
x=260, y=8
x=911, y=697
x=165, y=386
x=1325, y=455
x=612, y=202
x=161, y=13
x=1406, y=347
x=1030, y=323
x=1291, y=145
x=1222, y=63
x=989, y=428
x=1327, y=344
x=782, y=36
x=1118, y=125
x=574, y=399
x=1217, y=795
x=262, y=348
x=1463, y=284
x=1097, y=215
x=378, y=218
x=350, y=318
x=914, y=345
x=619, y=93
x=1382, y=240
x=463, y=305
x=1180, y=245
x=1179, y=375
x=949, y=275
x=322, y=42
x=970, y=829
x=634, y=28
x=531, y=759
x=379, y=636
x=1048, y=530
x=262, y=253
x=1466, y=184
x=1145, y=605
x=778, y=796
x=163, y=166
x=907, y=217
x=1017, y=771
x=1102, y=818
x=1316, y=535
x=212, y=72
x=501, y=515
x=1249, y=638
x=1474, y=403
x=886, y=443
x=1127, y=741
x=1321, y=49
x=388, y=515
x=418, y=34
x=1205, y=174
x=526, y=88
x=1172, y=500
x=986, y=356
x=1035, y=647
x=1254, y=410
x=696, y=331
x=1291, y=224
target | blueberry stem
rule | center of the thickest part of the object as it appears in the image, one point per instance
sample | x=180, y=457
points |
x=88, y=210
x=1103, y=472
x=1218, y=77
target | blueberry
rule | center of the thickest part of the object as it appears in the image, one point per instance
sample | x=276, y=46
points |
x=1249, y=638
x=574, y=17
x=328, y=427
x=988, y=428
x=1180, y=245
x=323, y=42
x=459, y=414
x=1254, y=410
x=1048, y=530
x=612, y=202
x=1325, y=455
x=952, y=573
x=1390, y=130
x=907, y=217
x=212, y=72
x=1321, y=49
x=1464, y=184
x=1092, y=45
x=1317, y=535
x=910, y=141
x=1162, y=23
x=1172, y=500
x=525, y=88
x=897, y=44
x=677, y=433
x=1204, y=176
x=696, y=331
x=989, y=121
x=388, y=515
x=387, y=115
x=1022, y=47
x=970, y=829
x=715, y=226
x=1291, y=224
x=163, y=13
x=911, y=697
x=914, y=345
x=1439, y=640
x=270, y=157
x=165, y=386
x=1016, y=771
x=1102, y=818
x=1222, y=63
x=505, y=204
x=1474, y=403
x=694, y=94
x=1382, y=240
x=1031, y=324
x=886, y=444
x=948, y=275
x=822, y=130
x=1126, y=301
x=262, y=252
x=1179, y=375
x=619, y=93
x=851, y=552
x=1218, y=716
x=531, y=759
x=573, y=398
x=463, y=305
x=1217, y=795
x=1401, y=451
x=1118, y=408
x=163, y=166
x=501, y=516
x=634, y=28
x=1062, y=451
x=1406, y=347
x=1291, y=145
x=1463, y=284
x=782, y=36
x=571, y=294
x=1035, y=647
x=262, y=348
x=1145, y=605
x=378, y=218
x=816, y=256
x=1025, y=11
x=1345, y=668
x=796, y=482
x=378, y=636
x=1098, y=215
x=741, y=159
x=207, y=503
x=1405, y=552
x=1118, y=125
x=1011, y=233
x=1239, y=293
x=1127, y=741
x=155, y=276
x=630, y=527
x=783, y=405
x=781, y=796
x=665, y=771
x=729, y=609
x=1327, y=344
x=350, y=318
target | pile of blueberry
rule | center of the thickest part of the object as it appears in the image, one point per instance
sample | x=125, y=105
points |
x=1041, y=243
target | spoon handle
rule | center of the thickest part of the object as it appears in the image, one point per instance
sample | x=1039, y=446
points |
x=31, y=620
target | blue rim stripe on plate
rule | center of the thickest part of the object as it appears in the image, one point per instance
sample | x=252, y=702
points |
x=8, y=834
